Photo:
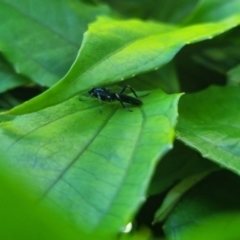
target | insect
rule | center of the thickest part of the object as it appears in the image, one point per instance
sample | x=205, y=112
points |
x=104, y=94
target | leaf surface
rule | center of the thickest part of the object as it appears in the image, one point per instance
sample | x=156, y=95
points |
x=43, y=40
x=214, y=10
x=163, y=11
x=178, y=164
x=9, y=79
x=209, y=122
x=114, y=50
x=175, y=194
x=93, y=167
x=208, y=228
x=20, y=219
x=216, y=194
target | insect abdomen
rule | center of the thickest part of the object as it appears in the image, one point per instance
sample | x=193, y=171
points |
x=131, y=100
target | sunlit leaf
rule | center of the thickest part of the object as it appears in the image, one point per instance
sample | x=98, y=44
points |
x=93, y=167
x=114, y=50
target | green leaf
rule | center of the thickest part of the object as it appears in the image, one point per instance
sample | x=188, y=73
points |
x=22, y=219
x=165, y=78
x=114, y=50
x=209, y=122
x=218, y=193
x=173, y=196
x=167, y=11
x=227, y=225
x=93, y=167
x=213, y=10
x=178, y=164
x=219, y=55
x=171, y=11
x=8, y=78
x=41, y=40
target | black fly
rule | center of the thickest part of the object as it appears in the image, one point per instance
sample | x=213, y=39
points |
x=104, y=94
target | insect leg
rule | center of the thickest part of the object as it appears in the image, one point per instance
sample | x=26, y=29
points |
x=100, y=102
x=90, y=95
x=123, y=105
x=131, y=89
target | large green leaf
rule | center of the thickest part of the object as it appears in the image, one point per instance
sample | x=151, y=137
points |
x=209, y=122
x=114, y=50
x=41, y=39
x=93, y=167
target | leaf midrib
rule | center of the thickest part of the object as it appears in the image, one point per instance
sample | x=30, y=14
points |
x=107, y=210
x=77, y=156
x=111, y=54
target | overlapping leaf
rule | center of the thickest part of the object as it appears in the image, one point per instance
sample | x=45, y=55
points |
x=113, y=50
x=180, y=163
x=218, y=193
x=209, y=122
x=175, y=194
x=166, y=11
x=9, y=79
x=213, y=10
x=40, y=38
